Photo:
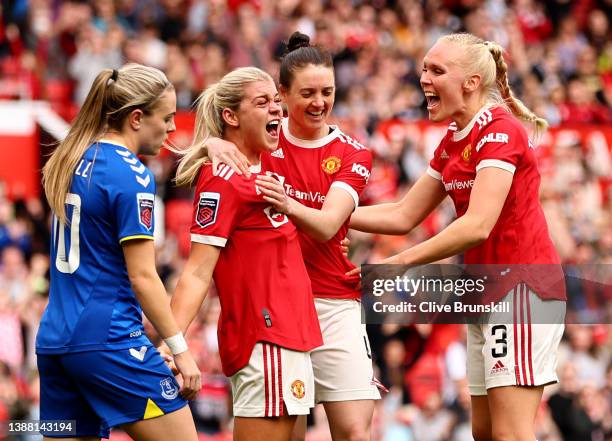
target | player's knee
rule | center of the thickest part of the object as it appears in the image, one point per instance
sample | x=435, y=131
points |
x=360, y=436
x=356, y=433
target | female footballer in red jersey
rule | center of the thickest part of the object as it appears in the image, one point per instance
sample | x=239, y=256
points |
x=323, y=171
x=268, y=321
x=487, y=165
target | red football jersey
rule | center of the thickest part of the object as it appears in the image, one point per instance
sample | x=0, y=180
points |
x=260, y=276
x=308, y=169
x=495, y=138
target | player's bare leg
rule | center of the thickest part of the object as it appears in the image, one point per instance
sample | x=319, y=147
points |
x=177, y=425
x=481, y=418
x=299, y=430
x=513, y=411
x=350, y=420
x=264, y=429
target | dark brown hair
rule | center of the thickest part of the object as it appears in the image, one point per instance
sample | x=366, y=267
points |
x=300, y=54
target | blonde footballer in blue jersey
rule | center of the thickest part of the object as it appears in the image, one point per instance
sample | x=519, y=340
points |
x=97, y=367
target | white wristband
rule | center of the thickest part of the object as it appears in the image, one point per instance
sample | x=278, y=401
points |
x=177, y=344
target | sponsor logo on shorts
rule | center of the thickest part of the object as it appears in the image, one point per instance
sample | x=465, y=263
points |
x=499, y=368
x=298, y=389
x=169, y=389
x=331, y=165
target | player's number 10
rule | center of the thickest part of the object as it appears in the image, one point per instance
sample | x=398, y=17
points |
x=68, y=262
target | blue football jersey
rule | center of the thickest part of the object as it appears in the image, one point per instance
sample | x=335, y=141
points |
x=91, y=302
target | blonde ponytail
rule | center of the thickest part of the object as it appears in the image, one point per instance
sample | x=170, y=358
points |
x=208, y=123
x=486, y=59
x=515, y=105
x=226, y=94
x=88, y=125
x=114, y=94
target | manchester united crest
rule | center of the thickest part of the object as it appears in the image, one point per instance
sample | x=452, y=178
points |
x=466, y=153
x=298, y=389
x=331, y=165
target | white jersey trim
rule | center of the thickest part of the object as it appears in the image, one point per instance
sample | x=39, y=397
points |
x=434, y=173
x=351, y=191
x=209, y=240
x=310, y=143
x=224, y=171
x=461, y=134
x=497, y=164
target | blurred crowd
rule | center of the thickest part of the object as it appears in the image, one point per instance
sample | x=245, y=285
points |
x=560, y=56
x=560, y=51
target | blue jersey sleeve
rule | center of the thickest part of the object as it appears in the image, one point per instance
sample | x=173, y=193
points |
x=132, y=197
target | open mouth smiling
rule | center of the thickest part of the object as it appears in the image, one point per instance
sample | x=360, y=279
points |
x=433, y=100
x=273, y=128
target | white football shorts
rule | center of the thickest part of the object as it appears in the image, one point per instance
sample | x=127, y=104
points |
x=343, y=365
x=274, y=377
x=516, y=349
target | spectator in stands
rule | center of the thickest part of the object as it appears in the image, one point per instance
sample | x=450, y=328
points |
x=14, y=273
x=96, y=50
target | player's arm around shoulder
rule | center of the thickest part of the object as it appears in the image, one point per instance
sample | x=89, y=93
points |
x=221, y=151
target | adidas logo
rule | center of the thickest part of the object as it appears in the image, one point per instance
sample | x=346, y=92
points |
x=278, y=153
x=499, y=368
x=444, y=155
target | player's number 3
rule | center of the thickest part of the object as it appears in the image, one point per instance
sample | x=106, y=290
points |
x=68, y=262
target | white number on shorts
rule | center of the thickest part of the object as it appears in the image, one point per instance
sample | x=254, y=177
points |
x=68, y=262
x=501, y=350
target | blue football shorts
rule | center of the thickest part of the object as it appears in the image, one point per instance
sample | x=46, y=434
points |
x=104, y=389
